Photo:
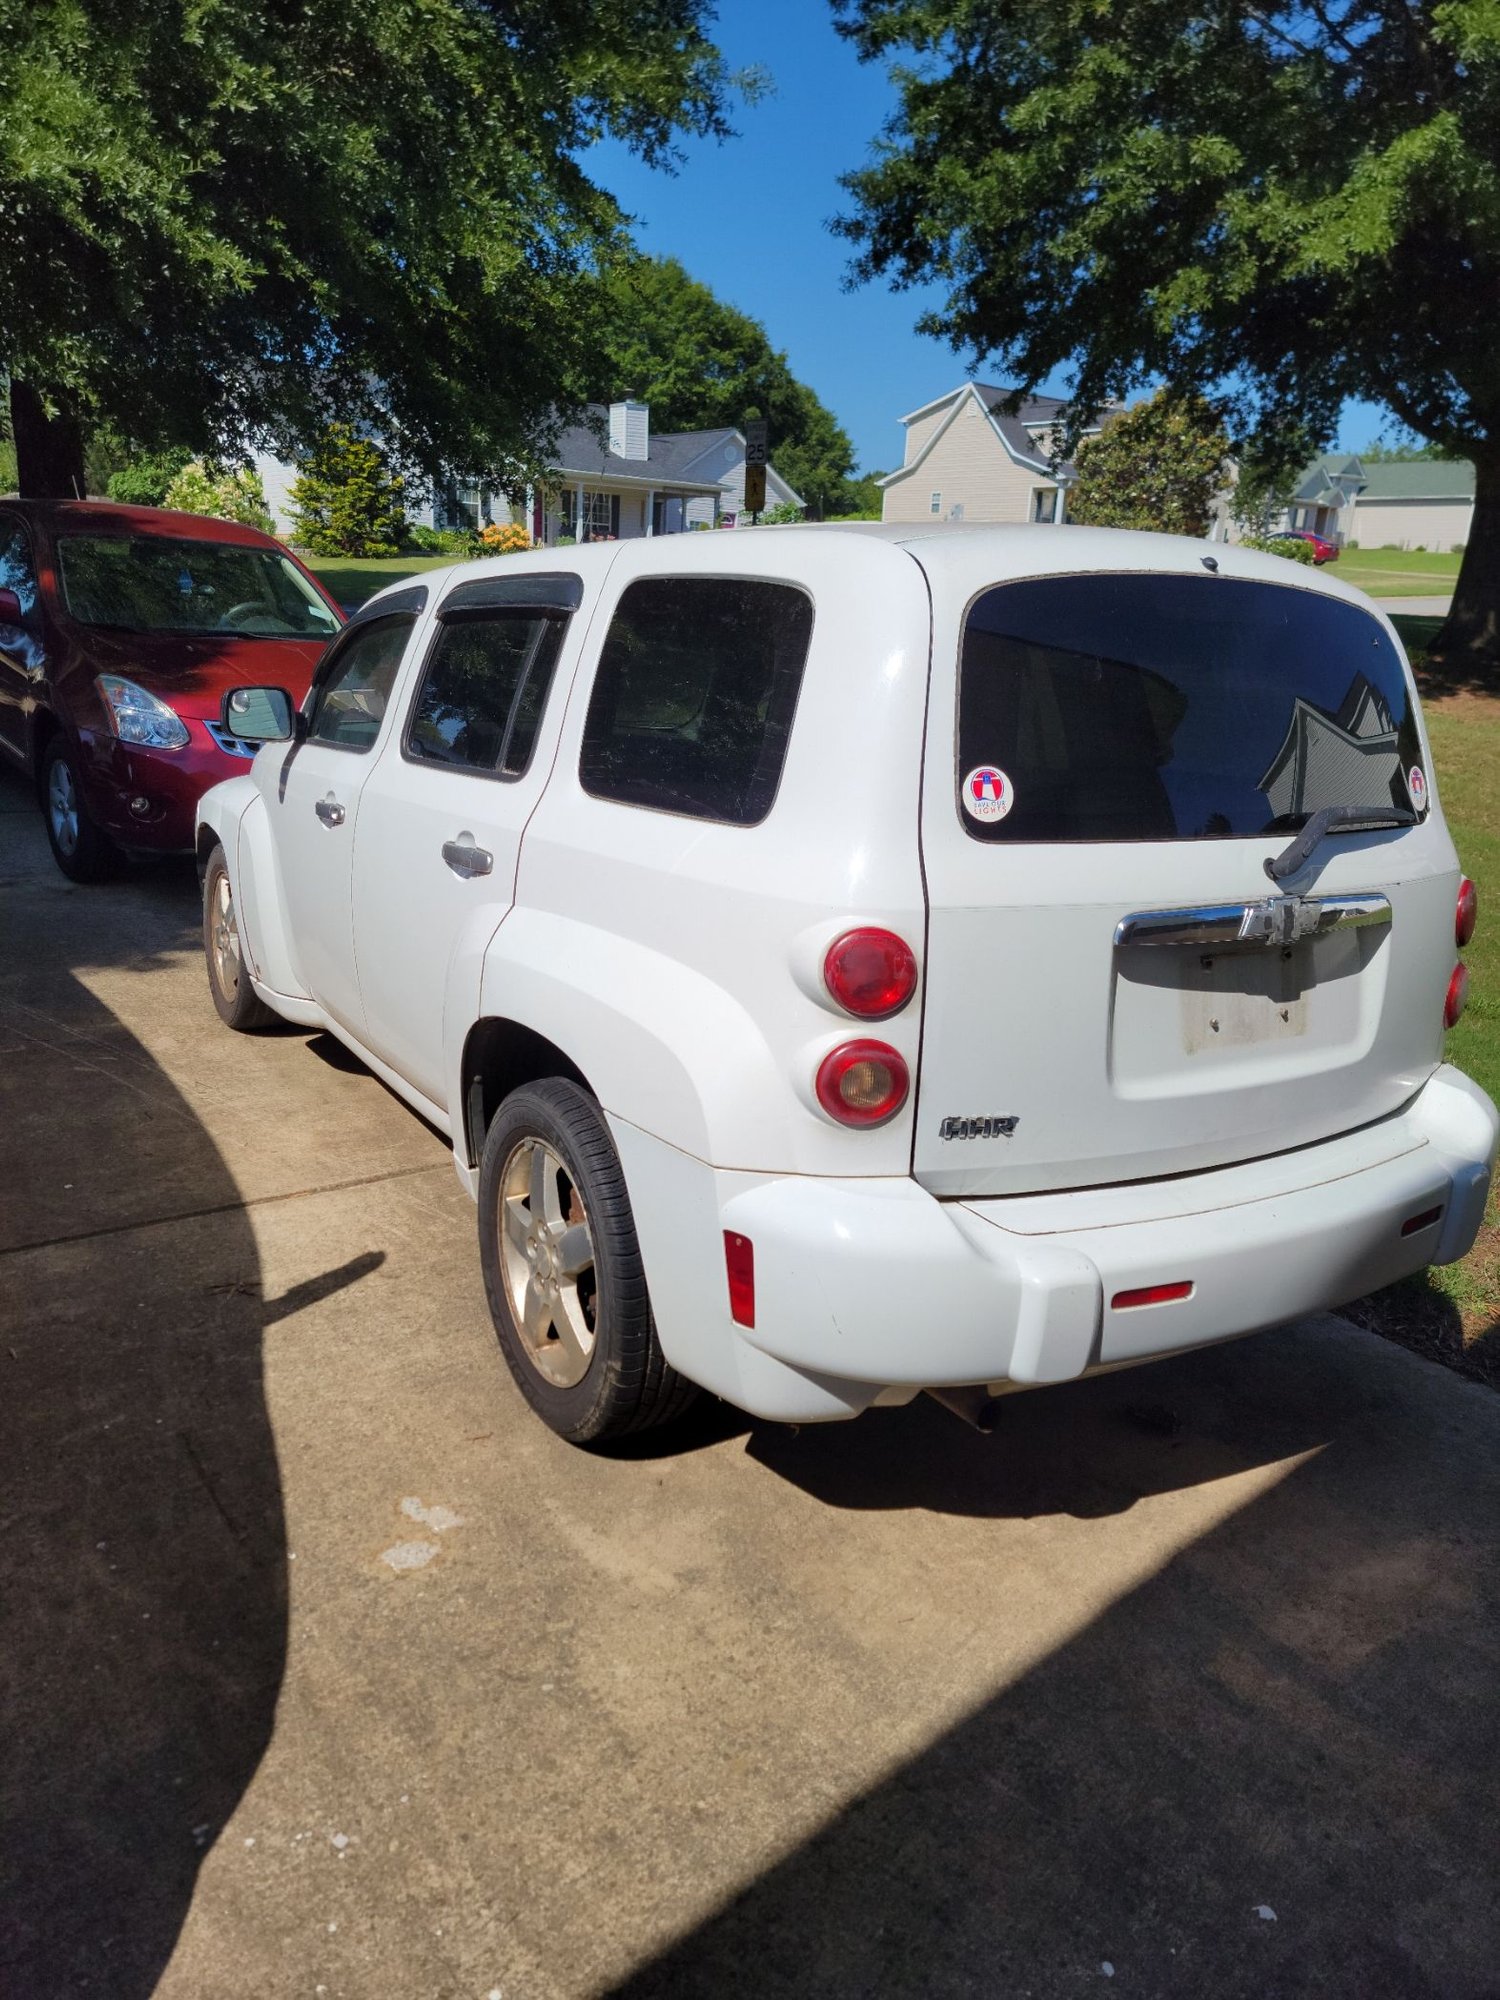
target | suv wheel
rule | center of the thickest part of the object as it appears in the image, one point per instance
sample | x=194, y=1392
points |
x=563, y=1272
x=239, y=1005
x=81, y=848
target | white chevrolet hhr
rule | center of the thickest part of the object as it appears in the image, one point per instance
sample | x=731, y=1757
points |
x=852, y=962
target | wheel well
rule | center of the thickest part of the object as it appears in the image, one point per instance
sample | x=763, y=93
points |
x=44, y=726
x=207, y=841
x=499, y=1057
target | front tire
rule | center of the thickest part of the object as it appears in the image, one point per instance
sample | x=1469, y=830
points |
x=563, y=1273
x=238, y=1005
x=80, y=847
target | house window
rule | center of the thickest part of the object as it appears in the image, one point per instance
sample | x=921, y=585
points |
x=601, y=515
x=935, y=504
x=1043, y=500
x=457, y=506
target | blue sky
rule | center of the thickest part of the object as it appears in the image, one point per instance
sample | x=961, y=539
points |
x=749, y=219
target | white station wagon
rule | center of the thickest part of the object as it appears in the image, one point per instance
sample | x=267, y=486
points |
x=853, y=962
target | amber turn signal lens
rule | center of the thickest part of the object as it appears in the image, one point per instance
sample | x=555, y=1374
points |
x=862, y=1083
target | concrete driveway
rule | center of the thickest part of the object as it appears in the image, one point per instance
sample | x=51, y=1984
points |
x=328, y=1671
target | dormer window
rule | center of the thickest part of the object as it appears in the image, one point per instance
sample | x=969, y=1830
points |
x=935, y=504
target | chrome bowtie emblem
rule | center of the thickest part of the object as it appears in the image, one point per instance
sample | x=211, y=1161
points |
x=1279, y=920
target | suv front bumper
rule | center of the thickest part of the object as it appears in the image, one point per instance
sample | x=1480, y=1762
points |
x=866, y=1285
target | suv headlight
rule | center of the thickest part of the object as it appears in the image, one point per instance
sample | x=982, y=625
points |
x=138, y=717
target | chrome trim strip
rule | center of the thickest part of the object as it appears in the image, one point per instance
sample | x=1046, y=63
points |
x=1275, y=920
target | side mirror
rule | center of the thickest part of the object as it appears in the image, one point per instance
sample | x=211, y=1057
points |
x=10, y=608
x=259, y=714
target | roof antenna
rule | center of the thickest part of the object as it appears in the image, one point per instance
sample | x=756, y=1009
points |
x=1210, y=562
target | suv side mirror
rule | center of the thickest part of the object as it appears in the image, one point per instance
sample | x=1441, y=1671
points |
x=259, y=714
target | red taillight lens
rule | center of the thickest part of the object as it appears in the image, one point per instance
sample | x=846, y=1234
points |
x=862, y=1083
x=1153, y=1295
x=1458, y=995
x=871, y=973
x=739, y=1265
x=1467, y=914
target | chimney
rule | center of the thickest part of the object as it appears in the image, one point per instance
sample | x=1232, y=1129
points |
x=630, y=429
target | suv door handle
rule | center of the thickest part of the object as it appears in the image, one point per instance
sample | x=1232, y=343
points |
x=465, y=859
x=330, y=811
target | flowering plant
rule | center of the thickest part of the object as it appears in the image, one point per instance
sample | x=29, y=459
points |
x=504, y=538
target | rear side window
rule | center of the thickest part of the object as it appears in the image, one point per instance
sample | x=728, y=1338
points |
x=354, y=682
x=483, y=690
x=692, y=705
x=1175, y=708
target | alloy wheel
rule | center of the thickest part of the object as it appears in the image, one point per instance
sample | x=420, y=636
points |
x=549, y=1262
x=62, y=807
x=226, y=939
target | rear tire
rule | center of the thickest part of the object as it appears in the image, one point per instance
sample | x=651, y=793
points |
x=239, y=1006
x=562, y=1269
x=80, y=847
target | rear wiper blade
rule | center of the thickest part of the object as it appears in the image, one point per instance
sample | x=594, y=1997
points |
x=1334, y=819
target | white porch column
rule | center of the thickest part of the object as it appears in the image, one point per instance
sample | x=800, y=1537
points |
x=578, y=517
x=650, y=510
x=1059, y=502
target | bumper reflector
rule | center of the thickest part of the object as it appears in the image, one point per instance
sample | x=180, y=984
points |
x=739, y=1264
x=1423, y=1221
x=1152, y=1295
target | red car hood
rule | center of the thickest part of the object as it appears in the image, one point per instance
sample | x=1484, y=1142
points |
x=194, y=673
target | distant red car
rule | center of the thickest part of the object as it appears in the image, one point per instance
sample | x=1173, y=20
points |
x=1323, y=552
x=121, y=631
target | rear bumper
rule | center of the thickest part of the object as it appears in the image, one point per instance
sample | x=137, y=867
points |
x=876, y=1284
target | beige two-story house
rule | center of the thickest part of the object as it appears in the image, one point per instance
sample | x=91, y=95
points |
x=966, y=460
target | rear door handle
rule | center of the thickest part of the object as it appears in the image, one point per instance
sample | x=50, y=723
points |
x=465, y=859
x=330, y=811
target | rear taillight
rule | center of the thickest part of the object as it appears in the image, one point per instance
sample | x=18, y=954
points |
x=1467, y=913
x=872, y=973
x=1458, y=995
x=862, y=1083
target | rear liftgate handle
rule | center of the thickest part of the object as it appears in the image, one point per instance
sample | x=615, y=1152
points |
x=465, y=859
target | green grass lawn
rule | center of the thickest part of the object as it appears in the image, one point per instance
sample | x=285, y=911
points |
x=352, y=579
x=1397, y=572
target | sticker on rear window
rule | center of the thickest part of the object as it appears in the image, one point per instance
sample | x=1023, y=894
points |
x=988, y=793
x=1416, y=786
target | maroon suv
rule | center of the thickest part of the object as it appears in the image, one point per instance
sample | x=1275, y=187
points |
x=121, y=631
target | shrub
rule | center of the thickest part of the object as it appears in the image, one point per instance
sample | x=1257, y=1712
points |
x=504, y=538
x=1281, y=545
x=443, y=541
x=781, y=516
x=348, y=500
x=144, y=482
x=1418, y=549
x=1458, y=548
x=229, y=493
x=1157, y=466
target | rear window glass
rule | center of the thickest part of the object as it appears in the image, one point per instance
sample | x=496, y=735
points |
x=482, y=692
x=1175, y=708
x=693, y=701
x=154, y=583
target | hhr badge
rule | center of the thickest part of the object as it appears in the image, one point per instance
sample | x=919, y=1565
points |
x=977, y=1128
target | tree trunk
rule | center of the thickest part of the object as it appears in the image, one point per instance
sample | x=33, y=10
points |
x=49, y=450
x=1469, y=643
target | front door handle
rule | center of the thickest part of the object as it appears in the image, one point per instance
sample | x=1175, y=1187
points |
x=330, y=811
x=465, y=859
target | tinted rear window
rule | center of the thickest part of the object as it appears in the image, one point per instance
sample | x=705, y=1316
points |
x=693, y=701
x=1175, y=708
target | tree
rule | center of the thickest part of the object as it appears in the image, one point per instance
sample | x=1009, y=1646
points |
x=144, y=481
x=1288, y=205
x=1381, y=453
x=1158, y=467
x=228, y=493
x=241, y=221
x=348, y=500
x=701, y=364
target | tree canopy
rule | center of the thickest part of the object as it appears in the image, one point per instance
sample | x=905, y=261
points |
x=241, y=219
x=1283, y=206
x=701, y=363
x=1156, y=467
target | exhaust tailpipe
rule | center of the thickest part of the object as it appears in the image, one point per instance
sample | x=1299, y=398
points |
x=975, y=1405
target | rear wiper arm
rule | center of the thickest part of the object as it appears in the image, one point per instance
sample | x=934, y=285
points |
x=1334, y=819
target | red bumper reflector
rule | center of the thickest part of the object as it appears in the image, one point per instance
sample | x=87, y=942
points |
x=1423, y=1221
x=739, y=1263
x=1152, y=1295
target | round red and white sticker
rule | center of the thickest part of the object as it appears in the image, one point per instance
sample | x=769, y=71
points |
x=1416, y=785
x=988, y=794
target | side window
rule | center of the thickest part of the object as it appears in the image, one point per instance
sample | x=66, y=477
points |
x=354, y=683
x=483, y=690
x=692, y=705
x=22, y=641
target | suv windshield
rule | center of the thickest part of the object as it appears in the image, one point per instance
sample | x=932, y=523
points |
x=151, y=583
x=1148, y=707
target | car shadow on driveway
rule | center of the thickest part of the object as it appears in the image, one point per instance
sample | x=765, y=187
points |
x=143, y=1557
x=1268, y=1769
